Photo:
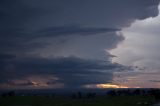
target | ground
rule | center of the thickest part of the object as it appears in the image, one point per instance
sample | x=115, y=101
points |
x=98, y=101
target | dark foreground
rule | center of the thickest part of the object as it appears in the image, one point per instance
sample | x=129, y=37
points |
x=62, y=101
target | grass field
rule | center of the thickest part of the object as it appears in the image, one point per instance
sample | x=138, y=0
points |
x=99, y=101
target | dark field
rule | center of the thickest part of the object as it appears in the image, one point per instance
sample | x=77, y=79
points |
x=62, y=101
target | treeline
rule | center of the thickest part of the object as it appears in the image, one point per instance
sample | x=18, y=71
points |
x=80, y=95
x=136, y=92
x=113, y=92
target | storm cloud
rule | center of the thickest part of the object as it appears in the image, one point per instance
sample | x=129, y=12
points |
x=71, y=71
x=66, y=40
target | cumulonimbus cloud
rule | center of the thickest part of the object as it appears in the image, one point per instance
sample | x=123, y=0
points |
x=48, y=29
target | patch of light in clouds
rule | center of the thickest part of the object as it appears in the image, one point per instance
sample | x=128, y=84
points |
x=141, y=44
x=140, y=48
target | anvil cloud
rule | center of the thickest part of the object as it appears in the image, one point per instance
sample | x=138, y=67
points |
x=67, y=39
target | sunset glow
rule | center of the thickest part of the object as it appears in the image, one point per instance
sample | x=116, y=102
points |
x=110, y=86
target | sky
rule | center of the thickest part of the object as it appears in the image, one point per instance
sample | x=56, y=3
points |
x=140, y=49
x=68, y=44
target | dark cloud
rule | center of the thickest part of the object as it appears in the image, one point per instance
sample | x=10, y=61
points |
x=39, y=14
x=27, y=20
x=54, y=32
x=32, y=32
x=93, y=13
x=76, y=30
x=69, y=70
x=5, y=56
x=18, y=39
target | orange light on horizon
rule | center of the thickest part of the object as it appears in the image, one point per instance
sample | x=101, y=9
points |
x=110, y=86
x=35, y=84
